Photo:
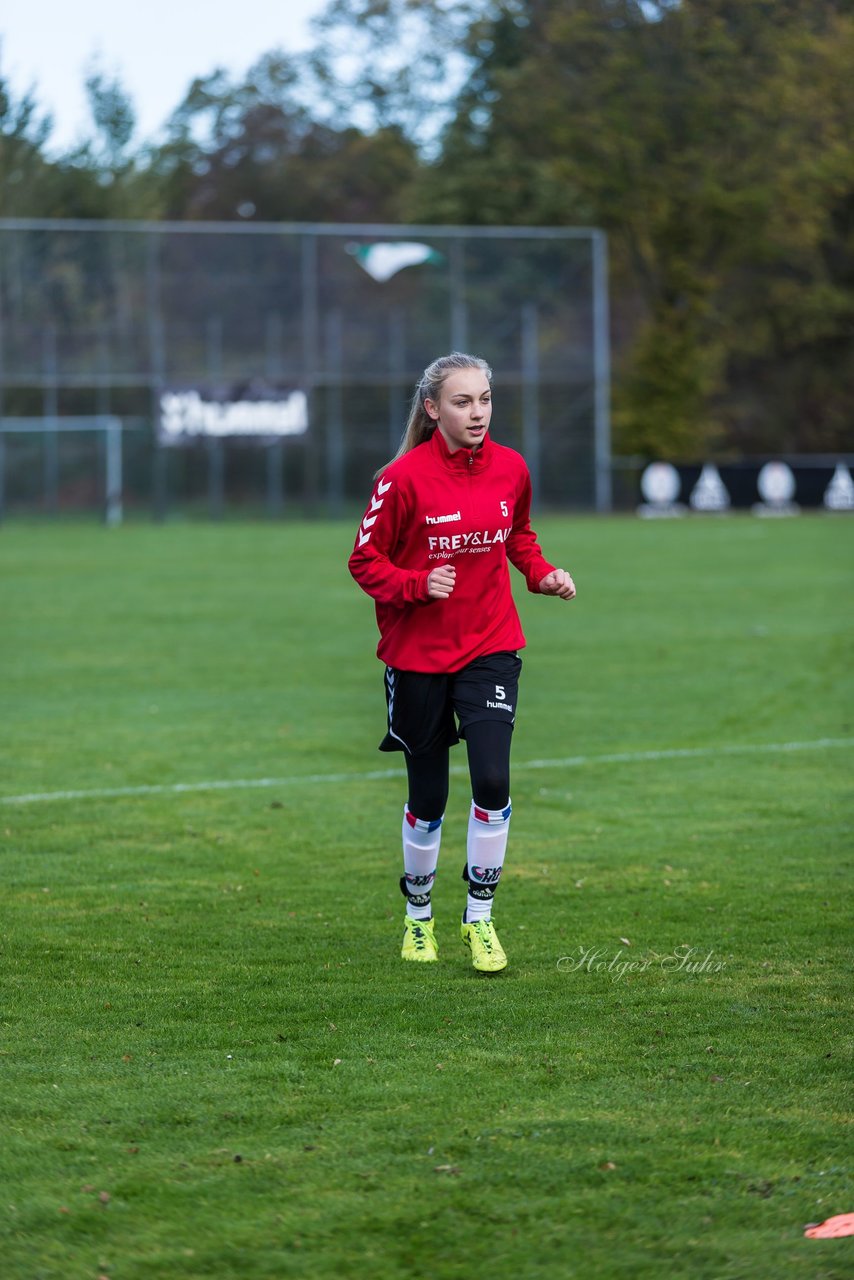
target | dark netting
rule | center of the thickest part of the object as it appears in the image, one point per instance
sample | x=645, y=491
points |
x=100, y=318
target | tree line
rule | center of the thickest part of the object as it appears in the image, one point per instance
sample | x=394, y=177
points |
x=712, y=139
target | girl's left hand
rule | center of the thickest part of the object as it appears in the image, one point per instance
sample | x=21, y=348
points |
x=558, y=583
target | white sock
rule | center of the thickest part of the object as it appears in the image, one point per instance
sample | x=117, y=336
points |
x=486, y=846
x=421, y=842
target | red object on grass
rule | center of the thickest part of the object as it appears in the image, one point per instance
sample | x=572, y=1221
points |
x=831, y=1228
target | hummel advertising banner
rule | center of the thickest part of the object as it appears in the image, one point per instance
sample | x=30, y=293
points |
x=251, y=412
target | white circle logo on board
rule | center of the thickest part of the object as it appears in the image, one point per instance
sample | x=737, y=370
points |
x=660, y=483
x=776, y=483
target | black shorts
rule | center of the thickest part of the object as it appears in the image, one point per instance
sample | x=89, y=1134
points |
x=428, y=713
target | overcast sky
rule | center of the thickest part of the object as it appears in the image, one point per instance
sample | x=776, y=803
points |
x=156, y=48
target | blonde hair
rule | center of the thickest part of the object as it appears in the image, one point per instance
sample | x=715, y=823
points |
x=420, y=426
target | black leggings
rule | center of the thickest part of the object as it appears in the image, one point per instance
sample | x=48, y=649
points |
x=488, y=746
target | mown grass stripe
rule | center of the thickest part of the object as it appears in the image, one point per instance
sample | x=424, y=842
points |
x=566, y=762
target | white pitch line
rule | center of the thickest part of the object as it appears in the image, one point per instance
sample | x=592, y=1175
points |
x=309, y=779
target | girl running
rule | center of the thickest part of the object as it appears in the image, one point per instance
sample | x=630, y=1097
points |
x=446, y=514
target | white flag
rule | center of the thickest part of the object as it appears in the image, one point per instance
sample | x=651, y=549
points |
x=383, y=260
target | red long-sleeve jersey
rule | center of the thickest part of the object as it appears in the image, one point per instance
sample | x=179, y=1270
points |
x=470, y=509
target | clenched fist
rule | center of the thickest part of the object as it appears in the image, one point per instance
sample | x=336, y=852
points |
x=440, y=581
x=558, y=583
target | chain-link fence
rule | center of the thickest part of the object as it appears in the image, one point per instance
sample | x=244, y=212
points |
x=101, y=319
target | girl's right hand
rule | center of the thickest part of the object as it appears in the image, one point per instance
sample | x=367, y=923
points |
x=440, y=581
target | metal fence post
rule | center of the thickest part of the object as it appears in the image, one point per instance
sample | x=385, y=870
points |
x=156, y=374
x=50, y=410
x=334, y=411
x=216, y=447
x=106, y=446
x=396, y=378
x=309, y=289
x=275, y=451
x=601, y=373
x=459, y=310
x=531, y=394
x=2, y=407
x=113, y=504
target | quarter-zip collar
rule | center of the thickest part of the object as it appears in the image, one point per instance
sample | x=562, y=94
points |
x=462, y=461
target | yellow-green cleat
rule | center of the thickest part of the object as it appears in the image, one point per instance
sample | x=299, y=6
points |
x=419, y=941
x=487, y=953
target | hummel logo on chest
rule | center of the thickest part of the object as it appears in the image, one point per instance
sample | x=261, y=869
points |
x=455, y=515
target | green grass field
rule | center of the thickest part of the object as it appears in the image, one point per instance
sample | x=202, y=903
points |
x=214, y=1063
